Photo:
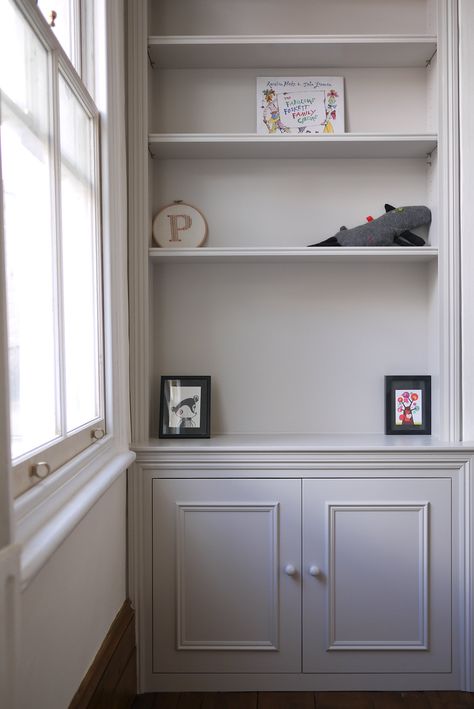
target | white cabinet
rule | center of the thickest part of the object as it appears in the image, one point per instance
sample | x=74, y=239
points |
x=222, y=601
x=381, y=601
x=369, y=592
x=297, y=342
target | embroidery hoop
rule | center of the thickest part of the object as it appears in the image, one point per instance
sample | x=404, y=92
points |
x=179, y=226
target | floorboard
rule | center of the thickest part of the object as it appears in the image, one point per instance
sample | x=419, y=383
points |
x=450, y=700
x=343, y=700
x=305, y=700
x=286, y=700
x=191, y=700
x=165, y=700
x=162, y=700
x=230, y=700
x=399, y=700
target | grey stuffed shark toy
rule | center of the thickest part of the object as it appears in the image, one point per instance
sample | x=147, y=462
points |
x=391, y=228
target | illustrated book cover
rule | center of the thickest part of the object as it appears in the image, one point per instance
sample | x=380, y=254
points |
x=300, y=104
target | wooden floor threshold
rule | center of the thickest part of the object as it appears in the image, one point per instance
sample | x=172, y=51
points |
x=305, y=700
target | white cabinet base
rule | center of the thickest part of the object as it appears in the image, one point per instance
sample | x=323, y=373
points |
x=217, y=611
x=298, y=683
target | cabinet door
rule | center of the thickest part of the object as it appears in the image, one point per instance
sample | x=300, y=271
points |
x=379, y=599
x=222, y=600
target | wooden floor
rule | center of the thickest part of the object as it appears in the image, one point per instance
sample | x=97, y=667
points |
x=306, y=700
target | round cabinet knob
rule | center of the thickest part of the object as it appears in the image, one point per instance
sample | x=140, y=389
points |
x=290, y=570
x=314, y=570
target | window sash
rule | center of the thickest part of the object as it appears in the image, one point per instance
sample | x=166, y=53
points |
x=96, y=295
x=67, y=26
x=66, y=444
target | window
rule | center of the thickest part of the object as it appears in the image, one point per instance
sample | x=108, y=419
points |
x=63, y=16
x=49, y=162
x=72, y=21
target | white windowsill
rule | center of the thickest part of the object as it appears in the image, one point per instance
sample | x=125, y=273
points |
x=47, y=514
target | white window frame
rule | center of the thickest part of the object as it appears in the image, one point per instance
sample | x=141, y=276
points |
x=68, y=444
x=45, y=515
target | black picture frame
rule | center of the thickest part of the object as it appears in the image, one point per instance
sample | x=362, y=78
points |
x=185, y=406
x=407, y=405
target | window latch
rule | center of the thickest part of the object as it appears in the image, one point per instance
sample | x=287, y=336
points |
x=40, y=470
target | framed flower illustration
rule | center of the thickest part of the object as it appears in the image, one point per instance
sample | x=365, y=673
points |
x=185, y=407
x=408, y=405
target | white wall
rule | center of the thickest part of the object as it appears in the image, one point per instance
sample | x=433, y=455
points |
x=211, y=323
x=69, y=606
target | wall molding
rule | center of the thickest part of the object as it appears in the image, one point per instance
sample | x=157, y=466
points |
x=466, y=566
x=9, y=624
x=450, y=269
x=139, y=222
x=466, y=108
x=6, y=526
x=139, y=519
x=248, y=464
x=52, y=520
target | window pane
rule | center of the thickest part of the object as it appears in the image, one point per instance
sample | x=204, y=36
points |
x=64, y=24
x=80, y=268
x=28, y=227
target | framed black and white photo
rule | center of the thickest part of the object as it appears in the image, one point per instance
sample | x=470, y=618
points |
x=408, y=405
x=185, y=407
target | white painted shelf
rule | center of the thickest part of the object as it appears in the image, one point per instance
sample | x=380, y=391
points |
x=298, y=443
x=299, y=255
x=250, y=145
x=291, y=51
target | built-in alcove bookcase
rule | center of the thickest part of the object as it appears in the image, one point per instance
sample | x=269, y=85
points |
x=296, y=340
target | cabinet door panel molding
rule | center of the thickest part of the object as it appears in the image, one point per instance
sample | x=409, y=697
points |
x=392, y=633
x=203, y=583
